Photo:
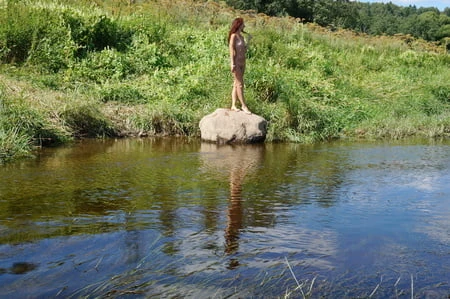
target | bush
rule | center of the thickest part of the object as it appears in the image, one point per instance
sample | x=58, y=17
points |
x=99, y=32
x=124, y=93
x=144, y=56
x=100, y=67
x=17, y=26
x=51, y=34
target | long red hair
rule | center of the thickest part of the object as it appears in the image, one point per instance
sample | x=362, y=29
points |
x=234, y=27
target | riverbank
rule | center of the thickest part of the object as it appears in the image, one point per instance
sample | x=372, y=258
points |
x=84, y=70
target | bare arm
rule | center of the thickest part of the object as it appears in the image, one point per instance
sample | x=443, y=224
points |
x=232, y=52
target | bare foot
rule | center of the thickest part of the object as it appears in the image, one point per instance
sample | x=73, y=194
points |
x=245, y=109
x=235, y=109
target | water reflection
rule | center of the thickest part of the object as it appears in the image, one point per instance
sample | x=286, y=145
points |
x=171, y=218
x=238, y=161
x=19, y=268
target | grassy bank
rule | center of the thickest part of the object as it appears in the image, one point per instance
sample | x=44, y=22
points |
x=107, y=68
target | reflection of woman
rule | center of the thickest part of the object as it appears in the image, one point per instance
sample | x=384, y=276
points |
x=237, y=161
x=238, y=48
x=235, y=213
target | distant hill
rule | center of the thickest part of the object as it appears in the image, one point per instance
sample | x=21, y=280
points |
x=372, y=18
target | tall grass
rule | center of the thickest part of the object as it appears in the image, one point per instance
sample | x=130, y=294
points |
x=13, y=145
x=14, y=141
x=31, y=118
x=159, y=66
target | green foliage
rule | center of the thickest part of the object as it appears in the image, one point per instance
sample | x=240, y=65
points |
x=13, y=145
x=50, y=34
x=22, y=120
x=372, y=18
x=21, y=127
x=108, y=64
x=158, y=69
x=16, y=30
x=14, y=141
x=166, y=119
x=441, y=93
x=124, y=93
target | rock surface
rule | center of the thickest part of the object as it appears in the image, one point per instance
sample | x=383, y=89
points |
x=228, y=126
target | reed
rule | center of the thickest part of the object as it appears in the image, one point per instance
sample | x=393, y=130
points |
x=300, y=286
x=305, y=288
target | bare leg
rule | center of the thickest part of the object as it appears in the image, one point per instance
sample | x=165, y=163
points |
x=233, y=98
x=238, y=91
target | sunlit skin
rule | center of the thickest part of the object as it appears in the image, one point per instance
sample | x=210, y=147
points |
x=238, y=49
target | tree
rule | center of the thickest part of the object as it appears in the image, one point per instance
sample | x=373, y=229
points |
x=447, y=11
x=427, y=25
x=372, y=18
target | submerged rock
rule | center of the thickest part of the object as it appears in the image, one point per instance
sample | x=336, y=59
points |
x=228, y=126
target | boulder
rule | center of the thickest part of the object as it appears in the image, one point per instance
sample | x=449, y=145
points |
x=228, y=126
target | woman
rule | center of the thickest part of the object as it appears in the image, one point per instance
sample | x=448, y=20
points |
x=238, y=48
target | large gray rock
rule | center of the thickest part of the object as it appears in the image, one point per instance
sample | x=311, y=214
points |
x=228, y=126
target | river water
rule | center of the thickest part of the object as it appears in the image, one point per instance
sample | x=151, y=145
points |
x=178, y=218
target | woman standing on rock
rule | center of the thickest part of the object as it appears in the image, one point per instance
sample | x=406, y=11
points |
x=238, y=49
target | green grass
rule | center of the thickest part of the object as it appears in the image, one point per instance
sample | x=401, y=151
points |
x=106, y=68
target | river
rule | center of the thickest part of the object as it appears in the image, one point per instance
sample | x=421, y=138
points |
x=178, y=218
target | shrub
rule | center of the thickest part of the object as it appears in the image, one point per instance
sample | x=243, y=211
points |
x=51, y=33
x=144, y=56
x=100, y=67
x=124, y=93
x=17, y=27
x=99, y=32
x=52, y=52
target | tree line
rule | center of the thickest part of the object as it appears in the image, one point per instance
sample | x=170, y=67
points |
x=428, y=23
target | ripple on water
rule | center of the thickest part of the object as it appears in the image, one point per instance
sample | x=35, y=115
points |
x=171, y=218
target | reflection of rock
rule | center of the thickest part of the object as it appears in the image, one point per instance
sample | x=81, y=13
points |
x=227, y=126
x=236, y=160
x=19, y=268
